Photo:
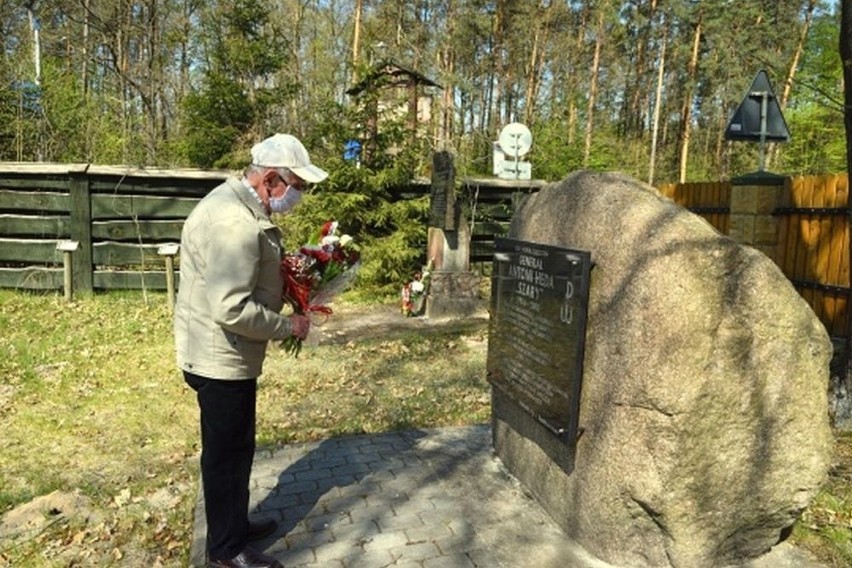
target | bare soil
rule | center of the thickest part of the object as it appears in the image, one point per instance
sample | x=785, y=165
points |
x=355, y=323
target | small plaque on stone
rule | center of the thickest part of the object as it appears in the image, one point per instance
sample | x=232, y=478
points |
x=539, y=301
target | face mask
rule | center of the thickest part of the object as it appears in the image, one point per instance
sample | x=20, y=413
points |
x=286, y=202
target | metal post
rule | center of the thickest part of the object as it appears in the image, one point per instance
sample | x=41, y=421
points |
x=67, y=248
x=764, y=97
x=517, y=157
x=169, y=251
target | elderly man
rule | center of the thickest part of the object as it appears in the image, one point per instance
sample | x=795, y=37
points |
x=228, y=307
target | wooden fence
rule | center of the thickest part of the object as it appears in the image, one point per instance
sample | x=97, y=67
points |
x=119, y=217
x=488, y=205
x=710, y=200
x=813, y=244
x=811, y=229
x=811, y=235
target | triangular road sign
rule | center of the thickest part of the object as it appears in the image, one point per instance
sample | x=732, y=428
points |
x=759, y=116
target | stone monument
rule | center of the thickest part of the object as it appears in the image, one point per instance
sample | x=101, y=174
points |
x=703, y=427
x=453, y=288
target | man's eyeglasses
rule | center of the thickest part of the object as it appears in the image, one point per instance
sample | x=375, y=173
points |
x=298, y=184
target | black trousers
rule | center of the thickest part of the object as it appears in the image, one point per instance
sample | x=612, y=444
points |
x=227, y=410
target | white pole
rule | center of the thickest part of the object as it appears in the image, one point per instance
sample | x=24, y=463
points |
x=35, y=26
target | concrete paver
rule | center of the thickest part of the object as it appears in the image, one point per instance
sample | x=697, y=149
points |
x=419, y=499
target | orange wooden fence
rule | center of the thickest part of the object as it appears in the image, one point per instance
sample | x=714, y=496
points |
x=813, y=244
x=813, y=236
x=709, y=200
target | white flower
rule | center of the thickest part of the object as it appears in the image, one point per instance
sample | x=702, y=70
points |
x=417, y=287
x=345, y=240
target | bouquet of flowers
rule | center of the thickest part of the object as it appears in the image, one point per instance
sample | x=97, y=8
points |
x=414, y=292
x=318, y=272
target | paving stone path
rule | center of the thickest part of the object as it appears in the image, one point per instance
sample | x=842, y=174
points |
x=434, y=498
x=424, y=498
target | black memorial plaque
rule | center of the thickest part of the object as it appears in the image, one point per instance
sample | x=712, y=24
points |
x=539, y=302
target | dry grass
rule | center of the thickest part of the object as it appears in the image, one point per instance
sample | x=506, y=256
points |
x=92, y=406
x=91, y=402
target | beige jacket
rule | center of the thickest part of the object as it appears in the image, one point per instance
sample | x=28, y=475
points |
x=230, y=292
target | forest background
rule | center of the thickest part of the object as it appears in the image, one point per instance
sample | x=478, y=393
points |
x=643, y=86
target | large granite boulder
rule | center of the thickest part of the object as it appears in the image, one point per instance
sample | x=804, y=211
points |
x=704, y=396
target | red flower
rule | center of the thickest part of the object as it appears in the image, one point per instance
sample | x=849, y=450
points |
x=328, y=228
x=316, y=253
x=316, y=274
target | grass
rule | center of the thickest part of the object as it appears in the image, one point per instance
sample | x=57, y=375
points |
x=92, y=405
x=825, y=528
x=91, y=402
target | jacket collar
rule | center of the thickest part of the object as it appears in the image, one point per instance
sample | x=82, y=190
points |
x=249, y=200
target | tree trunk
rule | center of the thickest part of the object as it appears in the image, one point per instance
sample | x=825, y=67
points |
x=400, y=23
x=447, y=63
x=35, y=27
x=155, y=86
x=532, y=77
x=356, y=40
x=84, y=72
x=122, y=64
x=723, y=148
x=635, y=112
x=686, y=109
x=593, y=90
x=499, y=66
x=536, y=61
x=296, y=29
x=791, y=73
x=572, y=82
x=841, y=382
x=661, y=66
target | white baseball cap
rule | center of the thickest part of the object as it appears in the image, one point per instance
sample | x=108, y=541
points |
x=285, y=151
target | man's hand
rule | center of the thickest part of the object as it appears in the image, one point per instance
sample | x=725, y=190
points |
x=300, y=325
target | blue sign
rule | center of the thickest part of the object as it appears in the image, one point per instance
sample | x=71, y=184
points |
x=351, y=150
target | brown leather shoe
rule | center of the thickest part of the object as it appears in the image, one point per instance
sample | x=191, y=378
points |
x=248, y=558
x=261, y=529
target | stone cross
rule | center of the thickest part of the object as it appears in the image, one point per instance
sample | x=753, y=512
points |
x=453, y=288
